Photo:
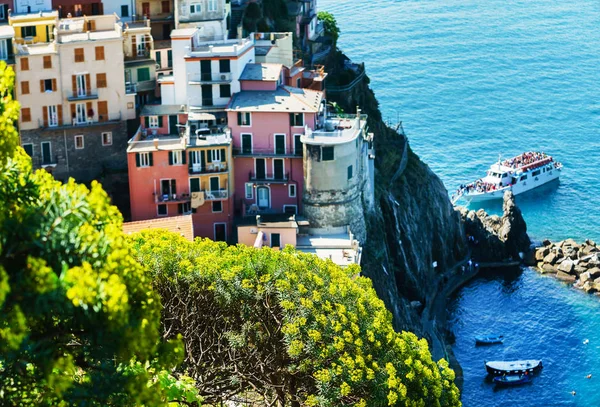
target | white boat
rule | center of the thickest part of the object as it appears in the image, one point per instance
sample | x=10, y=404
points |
x=498, y=368
x=518, y=174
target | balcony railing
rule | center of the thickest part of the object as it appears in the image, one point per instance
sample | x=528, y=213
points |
x=269, y=178
x=174, y=198
x=88, y=95
x=88, y=121
x=266, y=152
x=145, y=86
x=216, y=195
x=214, y=77
x=130, y=88
x=214, y=168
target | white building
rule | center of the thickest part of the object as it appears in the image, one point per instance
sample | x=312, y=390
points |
x=31, y=6
x=124, y=9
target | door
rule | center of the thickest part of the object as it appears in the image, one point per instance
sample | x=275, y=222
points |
x=165, y=187
x=52, y=116
x=220, y=232
x=275, y=240
x=173, y=121
x=166, y=31
x=262, y=197
x=280, y=144
x=246, y=144
x=46, y=155
x=205, y=70
x=146, y=10
x=81, y=85
x=80, y=113
x=214, y=184
x=207, y=99
x=96, y=9
x=260, y=168
x=278, y=169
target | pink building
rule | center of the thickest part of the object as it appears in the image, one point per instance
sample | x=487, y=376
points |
x=267, y=122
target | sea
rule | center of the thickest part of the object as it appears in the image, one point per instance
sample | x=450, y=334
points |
x=472, y=80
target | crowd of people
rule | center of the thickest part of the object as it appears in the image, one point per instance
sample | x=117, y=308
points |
x=524, y=159
x=477, y=186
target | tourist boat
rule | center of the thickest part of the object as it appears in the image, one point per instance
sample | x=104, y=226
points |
x=517, y=367
x=512, y=380
x=489, y=340
x=518, y=174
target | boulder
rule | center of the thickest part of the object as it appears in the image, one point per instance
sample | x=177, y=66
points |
x=541, y=253
x=547, y=269
x=571, y=254
x=579, y=270
x=590, y=242
x=594, y=272
x=551, y=258
x=589, y=250
x=547, y=243
x=566, y=266
x=570, y=243
x=585, y=277
x=589, y=287
x=565, y=277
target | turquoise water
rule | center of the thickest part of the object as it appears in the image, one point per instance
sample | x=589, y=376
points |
x=472, y=79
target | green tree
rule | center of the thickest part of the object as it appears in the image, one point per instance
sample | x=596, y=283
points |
x=79, y=321
x=331, y=27
x=288, y=327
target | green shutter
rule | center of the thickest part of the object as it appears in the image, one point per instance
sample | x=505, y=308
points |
x=239, y=118
x=137, y=159
x=183, y=157
x=173, y=186
x=208, y=156
x=146, y=122
x=170, y=158
x=160, y=121
x=150, y=159
x=158, y=57
x=190, y=160
x=223, y=158
x=194, y=184
x=291, y=119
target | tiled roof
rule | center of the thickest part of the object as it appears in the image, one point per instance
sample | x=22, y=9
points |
x=261, y=72
x=182, y=225
x=284, y=99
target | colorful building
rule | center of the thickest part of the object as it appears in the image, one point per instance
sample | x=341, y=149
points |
x=161, y=14
x=140, y=66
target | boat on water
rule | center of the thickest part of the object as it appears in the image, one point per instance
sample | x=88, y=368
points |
x=489, y=340
x=518, y=174
x=512, y=380
x=517, y=367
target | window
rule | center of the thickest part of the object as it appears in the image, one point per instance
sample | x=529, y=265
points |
x=124, y=11
x=79, y=142
x=107, y=138
x=244, y=119
x=28, y=149
x=535, y=173
x=350, y=175
x=194, y=184
x=47, y=62
x=212, y=5
x=166, y=6
x=246, y=143
x=214, y=184
x=162, y=210
x=297, y=144
x=217, y=206
x=79, y=55
x=214, y=156
x=280, y=144
x=24, y=64
x=101, y=80
x=3, y=46
x=46, y=153
x=327, y=154
x=195, y=8
x=153, y=120
x=80, y=114
x=290, y=209
x=143, y=159
x=141, y=45
x=52, y=116
x=47, y=85
x=296, y=119
x=100, y=53
x=143, y=74
x=25, y=114
x=299, y=82
x=25, y=88
x=275, y=240
x=278, y=169
x=168, y=188
x=292, y=190
x=225, y=91
x=170, y=58
x=224, y=66
x=29, y=31
x=249, y=190
x=183, y=208
x=81, y=85
x=176, y=158
x=157, y=57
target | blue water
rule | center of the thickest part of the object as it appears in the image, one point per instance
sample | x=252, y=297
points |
x=471, y=79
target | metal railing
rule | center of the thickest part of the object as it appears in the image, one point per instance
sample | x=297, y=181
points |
x=208, y=168
x=211, y=77
x=269, y=177
x=216, y=195
x=175, y=198
x=88, y=95
x=267, y=152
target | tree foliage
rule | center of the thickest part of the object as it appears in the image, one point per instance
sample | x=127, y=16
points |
x=288, y=326
x=330, y=23
x=79, y=321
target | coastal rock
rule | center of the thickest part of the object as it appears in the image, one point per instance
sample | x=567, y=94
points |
x=594, y=272
x=565, y=277
x=589, y=249
x=551, y=258
x=566, y=266
x=569, y=243
x=589, y=287
x=585, y=277
x=546, y=243
x=548, y=269
x=579, y=269
x=541, y=253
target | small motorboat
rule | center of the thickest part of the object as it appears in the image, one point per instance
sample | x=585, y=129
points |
x=517, y=367
x=512, y=380
x=489, y=340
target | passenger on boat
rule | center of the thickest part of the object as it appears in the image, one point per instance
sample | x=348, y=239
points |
x=524, y=159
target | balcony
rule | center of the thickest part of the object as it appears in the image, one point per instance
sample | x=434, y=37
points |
x=269, y=178
x=209, y=78
x=87, y=95
x=266, y=152
x=146, y=86
x=212, y=169
x=88, y=121
x=216, y=195
x=171, y=198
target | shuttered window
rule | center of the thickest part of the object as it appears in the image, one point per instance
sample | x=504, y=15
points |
x=79, y=55
x=24, y=64
x=25, y=88
x=47, y=62
x=100, y=53
x=101, y=80
x=25, y=114
x=102, y=110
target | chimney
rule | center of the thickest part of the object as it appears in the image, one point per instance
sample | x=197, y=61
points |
x=156, y=143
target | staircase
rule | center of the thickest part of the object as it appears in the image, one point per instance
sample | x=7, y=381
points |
x=237, y=13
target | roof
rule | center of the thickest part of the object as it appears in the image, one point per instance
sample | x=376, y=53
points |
x=182, y=225
x=278, y=220
x=284, y=99
x=6, y=31
x=65, y=38
x=160, y=110
x=34, y=16
x=261, y=72
x=183, y=32
x=132, y=63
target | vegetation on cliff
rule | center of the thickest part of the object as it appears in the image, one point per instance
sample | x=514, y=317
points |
x=79, y=322
x=287, y=326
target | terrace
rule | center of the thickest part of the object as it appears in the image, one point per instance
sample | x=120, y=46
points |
x=336, y=129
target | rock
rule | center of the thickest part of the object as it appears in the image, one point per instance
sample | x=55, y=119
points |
x=589, y=250
x=417, y=305
x=590, y=242
x=566, y=266
x=548, y=269
x=597, y=281
x=571, y=254
x=541, y=253
x=559, y=260
x=580, y=270
x=569, y=243
x=594, y=272
x=585, y=277
x=559, y=252
x=565, y=277
x=589, y=287
x=551, y=258
x=547, y=243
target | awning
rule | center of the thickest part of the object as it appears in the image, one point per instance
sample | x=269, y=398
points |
x=201, y=116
